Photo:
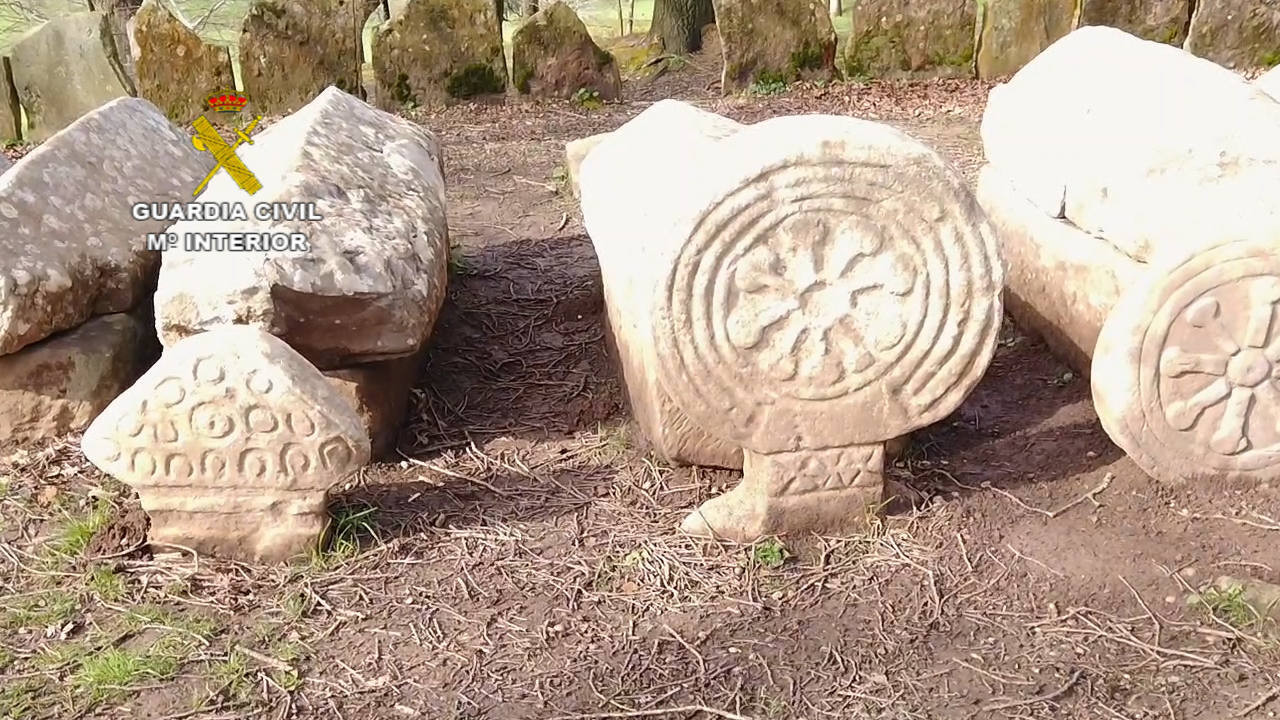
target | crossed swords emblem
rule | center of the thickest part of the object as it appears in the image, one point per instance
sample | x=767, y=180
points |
x=208, y=140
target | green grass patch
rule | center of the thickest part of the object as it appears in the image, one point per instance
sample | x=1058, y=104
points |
x=78, y=530
x=112, y=672
x=39, y=610
x=348, y=526
x=1229, y=605
x=769, y=553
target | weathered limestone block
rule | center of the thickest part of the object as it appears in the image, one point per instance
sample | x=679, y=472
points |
x=10, y=107
x=1090, y=130
x=1156, y=20
x=369, y=285
x=70, y=245
x=175, y=69
x=232, y=441
x=1012, y=32
x=889, y=36
x=766, y=40
x=575, y=151
x=380, y=393
x=60, y=384
x=55, y=90
x=803, y=289
x=553, y=55
x=1269, y=82
x=1060, y=282
x=291, y=50
x=1236, y=33
x=434, y=51
x=5, y=164
x=1186, y=372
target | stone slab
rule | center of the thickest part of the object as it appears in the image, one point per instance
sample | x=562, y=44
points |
x=72, y=247
x=176, y=70
x=380, y=392
x=369, y=285
x=60, y=384
x=56, y=91
x=433, y=52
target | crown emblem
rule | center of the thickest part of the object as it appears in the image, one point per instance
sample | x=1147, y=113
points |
x=227, y=102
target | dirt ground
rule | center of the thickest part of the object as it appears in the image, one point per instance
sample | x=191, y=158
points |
x=521, y=560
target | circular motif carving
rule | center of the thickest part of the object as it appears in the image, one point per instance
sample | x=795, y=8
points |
x=209, y=370
x=169, y=392
x=300, y=423
x=212, y=421
x=1187, y=369
x=259, y=382
x=823, y=304
x=260, y=419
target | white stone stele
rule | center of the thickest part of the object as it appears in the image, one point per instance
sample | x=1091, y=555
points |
x=800, y=290
x=232, y=440
x=372, y=282
x=69, y=246
x=1269, y=82
x=1183, y=353
x=1138, y=142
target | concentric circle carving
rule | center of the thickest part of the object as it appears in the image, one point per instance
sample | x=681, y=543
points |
x=822, y=304
x=1187, y=368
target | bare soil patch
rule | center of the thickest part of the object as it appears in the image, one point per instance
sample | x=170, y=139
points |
x=521, y=560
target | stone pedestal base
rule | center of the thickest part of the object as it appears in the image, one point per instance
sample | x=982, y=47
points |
x=824, y=491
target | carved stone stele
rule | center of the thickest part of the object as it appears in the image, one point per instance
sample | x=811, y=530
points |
x=800, y=291
x=232, y=440
x=1186, y=372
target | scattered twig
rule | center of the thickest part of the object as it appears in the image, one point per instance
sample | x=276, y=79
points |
x=1106, y=482
x=1046, y=697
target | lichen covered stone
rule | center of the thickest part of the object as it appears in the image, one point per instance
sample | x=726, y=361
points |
x=553, y=55
x=434, y=51
x=66, y=68
x=291, y=50
x=1236, y=33
x=902, y=35
x=1012, y=32
x=176, y=70
x=1156, y=20
x=775, y=40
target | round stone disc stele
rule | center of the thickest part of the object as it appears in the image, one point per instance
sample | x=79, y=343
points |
x=1186, y=371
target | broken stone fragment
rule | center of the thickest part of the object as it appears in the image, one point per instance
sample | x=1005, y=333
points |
x=435, y=51
x=1089, y=131
x=176, y=69
x=775, y=41
x=729, y=302
x=65, y=68
x=371, y=283
x=232, y=441
x=291, y=50
x=1060, y=281
x=60, y=384
x=70, y=245
x=553, y=56
x=380, y=392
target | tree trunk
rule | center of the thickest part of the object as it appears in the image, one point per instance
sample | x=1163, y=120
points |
x=528, y=8
x=678, y=24
x=837, y=7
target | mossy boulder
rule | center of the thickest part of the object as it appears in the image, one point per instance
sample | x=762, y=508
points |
x=771, y=40
x=553, y=55
x=1012, y=32
x=436, y=51
x=1162, y=21
x=891, y=36
x=291, y=50
x=176, y=70
x=1236, y=33
x=65, y=68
